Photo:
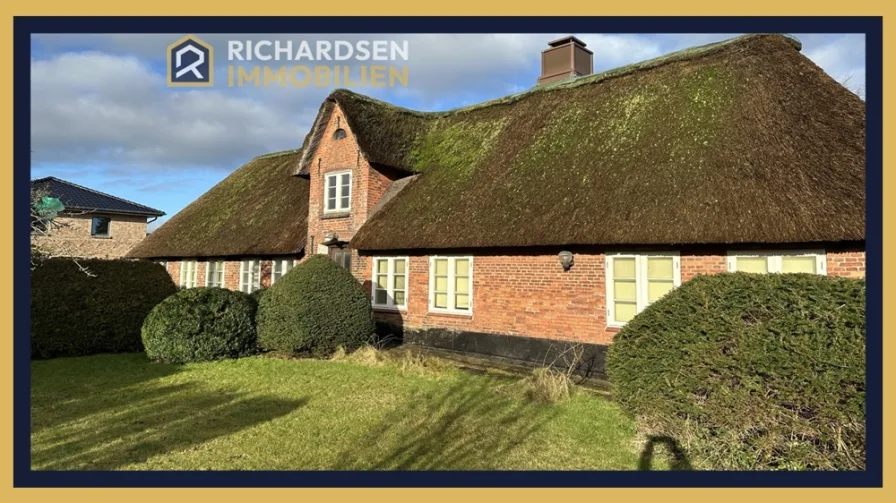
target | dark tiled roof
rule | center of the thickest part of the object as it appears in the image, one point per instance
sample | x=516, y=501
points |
x=78, y=197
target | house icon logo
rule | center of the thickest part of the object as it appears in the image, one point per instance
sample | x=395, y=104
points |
x=190, y=63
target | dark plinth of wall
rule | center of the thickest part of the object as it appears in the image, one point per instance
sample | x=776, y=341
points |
x=519, y=350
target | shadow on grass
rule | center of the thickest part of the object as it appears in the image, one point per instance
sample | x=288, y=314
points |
x=138, y=419
x=677, y=457
x=464, y=426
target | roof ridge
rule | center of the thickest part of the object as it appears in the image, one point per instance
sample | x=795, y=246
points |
x=73, y=184
x=679, y=55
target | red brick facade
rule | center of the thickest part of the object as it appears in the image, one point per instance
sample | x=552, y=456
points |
x=514, y=293
x=231, y=271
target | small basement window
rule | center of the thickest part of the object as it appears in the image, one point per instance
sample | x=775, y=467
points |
x=99, y=226
x=763, y=262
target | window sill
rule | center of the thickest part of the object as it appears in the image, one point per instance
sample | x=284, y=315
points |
x=335, y=214
x=615, y=327
x=450, y=314
x=388, y=309
x=101, y=237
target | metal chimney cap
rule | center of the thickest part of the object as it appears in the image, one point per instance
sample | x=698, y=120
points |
x=566, y=40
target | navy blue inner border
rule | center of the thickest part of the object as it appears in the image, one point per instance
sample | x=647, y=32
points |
x=23, y=27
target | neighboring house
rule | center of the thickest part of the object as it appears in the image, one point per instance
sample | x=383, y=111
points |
x=737, y=156
x=243, y=234
x=93, y=225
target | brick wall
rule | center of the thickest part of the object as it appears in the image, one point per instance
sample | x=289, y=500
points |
x=531, y=295
x=848, y=263
x=72, y=236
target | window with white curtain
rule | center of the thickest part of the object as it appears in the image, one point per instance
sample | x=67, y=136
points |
x=451, y=285
x=763, y=262
x=250, y=275
x=214, y=273
x=635, y=280
x=390, y=282
x=188, y=274
x=279, y=267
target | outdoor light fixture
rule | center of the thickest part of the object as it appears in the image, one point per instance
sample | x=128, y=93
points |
x=331, y=237
x=566, y=260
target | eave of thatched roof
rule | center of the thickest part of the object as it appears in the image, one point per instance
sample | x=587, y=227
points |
x=743, y=141
x=260, y=209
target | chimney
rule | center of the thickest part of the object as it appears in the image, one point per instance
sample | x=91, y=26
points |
x=565, y=58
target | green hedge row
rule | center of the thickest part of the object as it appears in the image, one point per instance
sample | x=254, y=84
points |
x=74, y=313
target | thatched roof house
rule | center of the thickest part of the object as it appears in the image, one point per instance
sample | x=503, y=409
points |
x=563, y=211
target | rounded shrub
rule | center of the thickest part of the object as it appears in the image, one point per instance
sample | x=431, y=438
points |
x=750, y=371
x=93, y=306
x=201, y=324
x=314, y=309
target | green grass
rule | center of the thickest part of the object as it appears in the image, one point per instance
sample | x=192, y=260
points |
x=112, y=412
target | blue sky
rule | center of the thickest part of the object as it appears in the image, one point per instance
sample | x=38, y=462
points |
x=102, y=115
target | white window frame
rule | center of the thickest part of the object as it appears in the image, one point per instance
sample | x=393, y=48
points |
x=336, y=175
x=640, y=280
x=282, y=262
x=390, y=284
x=208, y=272
x=774, y=258
x=255, y=282
x=188, y=280
x=452, y=259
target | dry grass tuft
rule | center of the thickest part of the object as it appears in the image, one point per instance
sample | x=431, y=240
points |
x=548, y=385
x=419, y=364
x=368, y=356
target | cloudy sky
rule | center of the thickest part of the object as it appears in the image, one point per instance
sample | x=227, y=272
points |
x=102, y=115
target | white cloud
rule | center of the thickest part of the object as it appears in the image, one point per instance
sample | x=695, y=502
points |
x=100, y=108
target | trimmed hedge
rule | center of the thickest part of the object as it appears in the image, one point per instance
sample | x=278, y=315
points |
x=751, y=371
x=314, y=309
x=74, y=314
x=201, y=324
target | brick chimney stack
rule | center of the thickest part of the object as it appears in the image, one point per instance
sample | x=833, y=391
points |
x=565, y=58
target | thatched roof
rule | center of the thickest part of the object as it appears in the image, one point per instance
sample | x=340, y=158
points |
x=743, y=141
x=259, y=210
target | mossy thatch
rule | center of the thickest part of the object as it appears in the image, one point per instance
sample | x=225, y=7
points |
x=260, y=209
x=743, y=141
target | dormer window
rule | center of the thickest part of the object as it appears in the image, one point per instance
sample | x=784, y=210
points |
x=338, y=192
x=339, y=134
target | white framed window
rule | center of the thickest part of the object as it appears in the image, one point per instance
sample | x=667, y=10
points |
x=390, y=282
x=451, y=285
x=763, y=262
x=338, y=192
x=250, y=275
x=188, y=274
x=635, y=280
x=214, y=273
x=279, y=267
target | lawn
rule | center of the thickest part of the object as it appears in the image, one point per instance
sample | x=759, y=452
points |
x=111, y=412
